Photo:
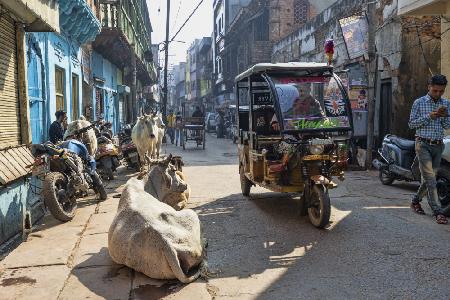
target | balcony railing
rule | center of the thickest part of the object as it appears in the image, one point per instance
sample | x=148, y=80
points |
x=131, y=18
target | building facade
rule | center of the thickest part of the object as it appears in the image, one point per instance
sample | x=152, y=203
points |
x=437, y=9
x=205, y=74
x=224, y=12
x=125, y=42
x=403, y=66
x=179, y=72
x=20, y=205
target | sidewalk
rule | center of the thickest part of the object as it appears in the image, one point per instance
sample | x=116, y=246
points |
x=71, y=260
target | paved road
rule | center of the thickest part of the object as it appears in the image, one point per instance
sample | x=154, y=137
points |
x=259, y=248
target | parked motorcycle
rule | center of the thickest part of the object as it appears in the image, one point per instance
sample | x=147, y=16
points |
x=66, y=177
x=397, y=161
x=128, y=148
x=107, y=157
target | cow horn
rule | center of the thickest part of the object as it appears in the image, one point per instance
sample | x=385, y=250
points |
x=168, y=160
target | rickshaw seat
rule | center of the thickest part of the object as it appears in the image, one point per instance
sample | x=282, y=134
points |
x=262, y=117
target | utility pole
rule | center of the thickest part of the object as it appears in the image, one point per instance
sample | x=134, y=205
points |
x=166, y=64
x=133, y=113
x=372, y=73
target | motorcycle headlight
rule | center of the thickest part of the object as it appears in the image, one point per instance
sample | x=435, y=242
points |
x=316, y=149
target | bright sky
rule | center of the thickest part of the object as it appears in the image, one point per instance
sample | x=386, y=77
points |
x=199, y=25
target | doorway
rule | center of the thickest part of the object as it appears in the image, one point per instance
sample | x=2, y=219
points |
x=385, y=109
x=36, y=95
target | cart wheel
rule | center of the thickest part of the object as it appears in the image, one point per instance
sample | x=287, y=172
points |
x=319, y=209
x=204, y=140
x=246, y=184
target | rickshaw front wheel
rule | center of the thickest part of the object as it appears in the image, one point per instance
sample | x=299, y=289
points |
x=319, y=208
x=246, y=184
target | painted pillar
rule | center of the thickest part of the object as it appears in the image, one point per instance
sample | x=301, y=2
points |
x=23, y=86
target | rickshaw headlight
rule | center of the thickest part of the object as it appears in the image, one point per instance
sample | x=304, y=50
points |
x=316, y=149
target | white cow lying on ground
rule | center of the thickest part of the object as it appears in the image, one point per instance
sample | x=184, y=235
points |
x=151, y=237
x=88, y=138
x=174, y=189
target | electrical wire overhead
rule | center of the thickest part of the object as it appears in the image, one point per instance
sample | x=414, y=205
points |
x=187, y=20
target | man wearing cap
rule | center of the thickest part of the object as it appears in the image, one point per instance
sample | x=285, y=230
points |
x=56, y=131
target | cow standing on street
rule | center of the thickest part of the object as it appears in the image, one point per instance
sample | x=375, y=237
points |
x=145, y=136
x=161, y=133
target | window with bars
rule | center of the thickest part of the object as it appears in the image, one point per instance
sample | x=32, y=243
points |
x=301, y=11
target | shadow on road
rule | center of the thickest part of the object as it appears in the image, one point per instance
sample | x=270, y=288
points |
x=248, y=237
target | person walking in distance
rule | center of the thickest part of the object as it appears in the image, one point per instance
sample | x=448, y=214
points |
x=178, y=129
x=430, y=118
x=171, y=118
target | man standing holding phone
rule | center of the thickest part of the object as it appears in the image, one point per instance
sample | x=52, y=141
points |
x=430, y=118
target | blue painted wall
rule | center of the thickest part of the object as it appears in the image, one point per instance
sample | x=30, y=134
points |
x=54, y=51
x=58, y=51
x=108, y=73
x=16, y=200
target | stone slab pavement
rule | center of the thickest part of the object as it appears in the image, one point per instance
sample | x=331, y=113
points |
x=259, y=248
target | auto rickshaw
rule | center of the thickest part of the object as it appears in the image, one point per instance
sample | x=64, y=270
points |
x=295, y=125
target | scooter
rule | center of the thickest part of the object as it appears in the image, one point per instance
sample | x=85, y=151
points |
x=397, y=161
x=107, y=157
x=128, y=148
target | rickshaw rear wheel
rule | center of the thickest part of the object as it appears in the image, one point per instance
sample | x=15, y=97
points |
x=246, y=184
x=319, y=208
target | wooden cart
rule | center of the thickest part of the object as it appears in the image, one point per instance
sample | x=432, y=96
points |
x=194, y=130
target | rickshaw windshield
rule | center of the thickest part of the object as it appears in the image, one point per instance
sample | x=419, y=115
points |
x=312, y=103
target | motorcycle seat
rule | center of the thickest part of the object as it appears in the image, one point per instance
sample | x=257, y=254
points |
x=403, y=144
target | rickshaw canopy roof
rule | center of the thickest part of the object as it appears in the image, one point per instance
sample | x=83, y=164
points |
x=285, y=68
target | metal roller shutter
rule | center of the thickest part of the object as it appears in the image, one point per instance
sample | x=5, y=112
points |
x=9, y=97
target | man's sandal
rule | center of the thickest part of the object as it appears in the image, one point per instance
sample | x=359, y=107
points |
x=417, y=208
x=441, y=219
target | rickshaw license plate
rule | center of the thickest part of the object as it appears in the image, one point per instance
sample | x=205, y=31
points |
x=41, y=169
x=316, y=157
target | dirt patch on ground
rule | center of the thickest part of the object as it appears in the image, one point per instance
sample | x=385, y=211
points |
x=17, y=281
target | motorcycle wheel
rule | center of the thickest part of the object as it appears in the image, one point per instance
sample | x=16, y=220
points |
x=99, y=187
x=443, y=185
x=54, y=193
x=385, y=177
x=319, y=210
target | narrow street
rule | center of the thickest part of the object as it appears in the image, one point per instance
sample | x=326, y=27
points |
x=259, y=248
